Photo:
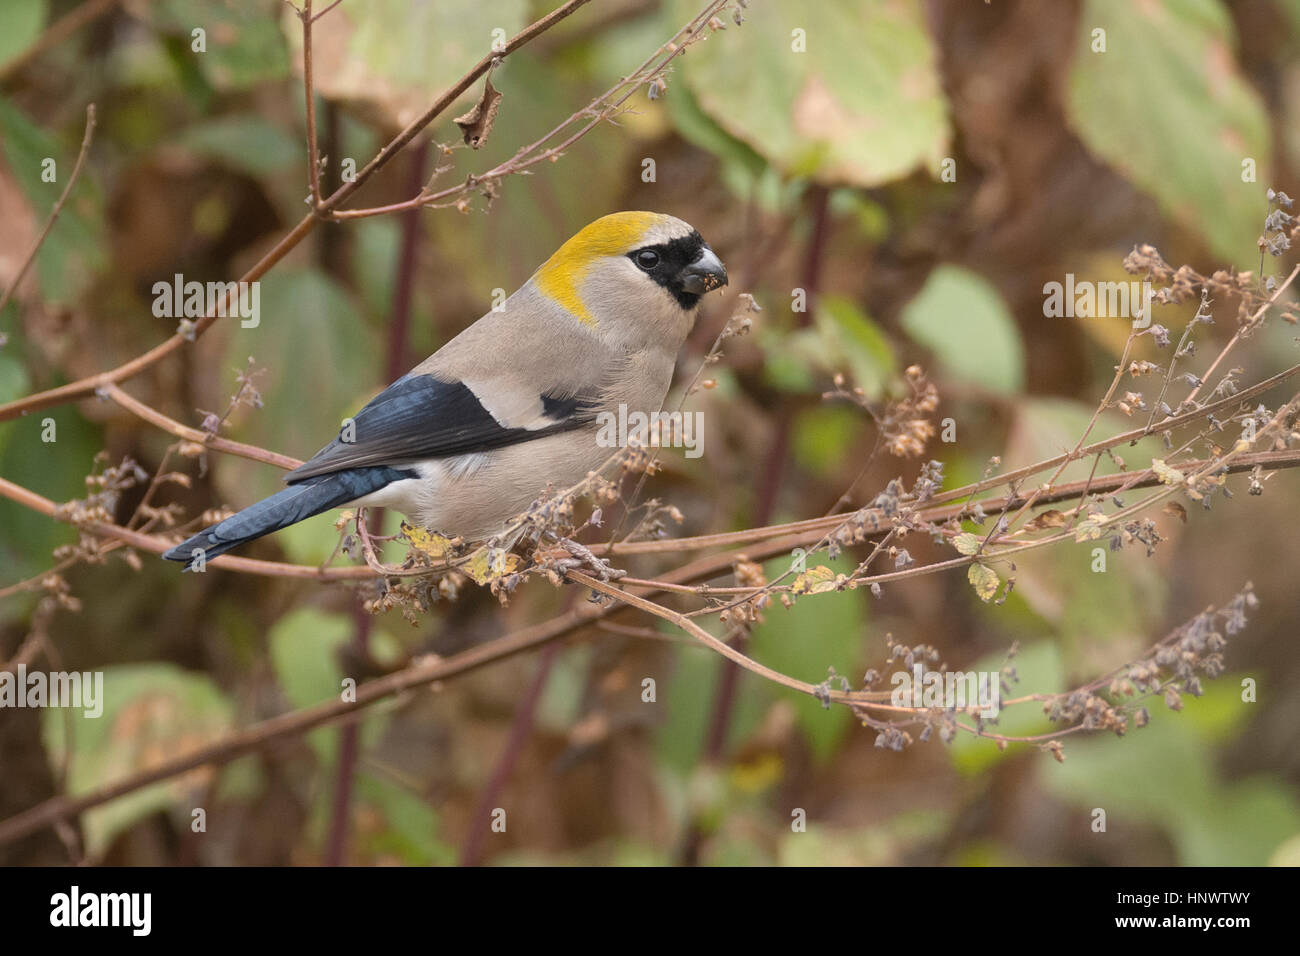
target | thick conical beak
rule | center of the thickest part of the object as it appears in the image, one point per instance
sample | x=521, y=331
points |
x=704, y=274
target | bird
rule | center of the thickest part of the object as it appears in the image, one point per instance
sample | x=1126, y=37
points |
x=475, y=433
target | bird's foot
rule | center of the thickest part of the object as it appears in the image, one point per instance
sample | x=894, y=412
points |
x=582, y=557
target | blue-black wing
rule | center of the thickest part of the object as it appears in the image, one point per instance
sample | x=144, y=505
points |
x=420, y=417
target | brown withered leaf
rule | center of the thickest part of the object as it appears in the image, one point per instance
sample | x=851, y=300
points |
x=1175, y=510
x=1051, y=518
x=476, y=125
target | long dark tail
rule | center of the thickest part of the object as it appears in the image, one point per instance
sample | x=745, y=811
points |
x=293, y=504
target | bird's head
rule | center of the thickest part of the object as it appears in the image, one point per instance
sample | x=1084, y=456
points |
x=632, y=273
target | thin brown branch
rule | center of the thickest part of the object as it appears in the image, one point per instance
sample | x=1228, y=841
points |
x=602, y=108
x=421, y=673
x=800, y=534
x=156, y=545
x=86, y=387
x=1243, y=329
x=429, y=670
x=445, y=101
x=309, y=92
x=752, y=535
x=721, y=647
x=326, y=10
x=58, y=207
x=196, y=435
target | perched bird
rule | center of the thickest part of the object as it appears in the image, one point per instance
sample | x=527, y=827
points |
x=473, y=434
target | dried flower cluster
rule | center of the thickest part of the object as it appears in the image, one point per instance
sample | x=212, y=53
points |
x=1171, y=668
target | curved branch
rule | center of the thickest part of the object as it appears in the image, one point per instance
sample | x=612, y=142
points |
x=198, y=436
x=802, y=533
x=86, y=387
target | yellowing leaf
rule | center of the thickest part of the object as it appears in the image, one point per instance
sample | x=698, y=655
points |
x=483, y=566
x=488, y=564
x=967, y=543
x=1166, y=473
x=815, y=581
x=431, y=543
x=1090, y=529
x=984, y=580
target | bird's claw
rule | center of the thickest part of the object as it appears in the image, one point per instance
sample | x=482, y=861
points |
x=582, y=557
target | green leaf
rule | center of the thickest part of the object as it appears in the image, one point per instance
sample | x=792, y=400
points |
x=398, y=55
x=401, y=827
x=827, y=437
x=883, y=844
x=1041, y=671
x=54, y=469
x=23, y=20
x=960, y=317
x=861, y=104
x=377, y=241
x=1046, y=427
x=243, y=45
x=819, y=631
x=545, y=208
x=1288, y=854
x=792, y=357
x=73, y=253
x=851, y=337
x=742, y=167
x=816, y=580
x=1167, y=106
x=1059, y=583
x=561, y=705
x=1164, y=775
x=305, y=650
x=686, y=697
x=841, y=339
x=321, y=365
x=151, y=713
x=246, y=143
x=13, y=385
x=1090, y=528
x=304, y=646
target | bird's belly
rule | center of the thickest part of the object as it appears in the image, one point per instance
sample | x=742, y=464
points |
x=403, y=496
x=475, y=496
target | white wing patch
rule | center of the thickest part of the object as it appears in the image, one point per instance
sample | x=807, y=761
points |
x=509, y=405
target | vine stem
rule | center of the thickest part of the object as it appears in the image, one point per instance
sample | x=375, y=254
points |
x=58, y=207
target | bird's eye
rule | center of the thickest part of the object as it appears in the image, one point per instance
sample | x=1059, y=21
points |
x=647, y=259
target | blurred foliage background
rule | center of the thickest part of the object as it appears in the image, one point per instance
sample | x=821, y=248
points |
x=819, y=169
